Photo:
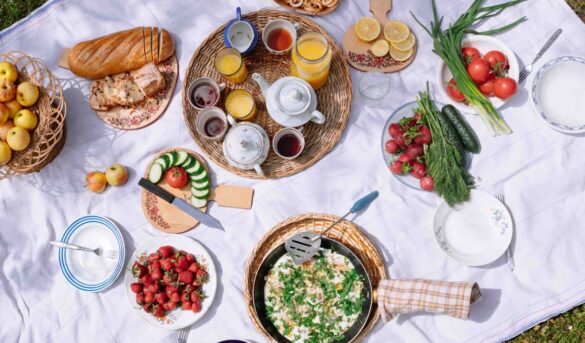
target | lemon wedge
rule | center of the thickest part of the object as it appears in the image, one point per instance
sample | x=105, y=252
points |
x=396, y=31
x=380, y=48
x=367, y=29
x=408, y=44
x=400, y=56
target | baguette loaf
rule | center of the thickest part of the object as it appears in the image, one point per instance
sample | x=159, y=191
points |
x=120, y=52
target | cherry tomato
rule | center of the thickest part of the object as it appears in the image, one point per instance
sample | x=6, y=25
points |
x=454, y=91
x=470, y=54
x=396, y=167
x=504, y=87
x=424, y=135
x=395, y=130
x=177, y=177
x=415, y=150
x=479, y=70
x=497, y=60
x=392, y=147
x=427, y=184
x=418, y=170
x=487, y=88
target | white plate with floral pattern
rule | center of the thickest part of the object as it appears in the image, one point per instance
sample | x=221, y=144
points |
x=476, y=232
x=177, y=318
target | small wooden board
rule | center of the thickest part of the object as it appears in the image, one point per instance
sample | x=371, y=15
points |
x=357, y=52
x=168, y=218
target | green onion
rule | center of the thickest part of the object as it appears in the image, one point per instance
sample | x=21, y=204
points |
x=447, y=44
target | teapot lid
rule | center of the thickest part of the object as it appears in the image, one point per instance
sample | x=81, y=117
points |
x=244, y=144
x=293, y=96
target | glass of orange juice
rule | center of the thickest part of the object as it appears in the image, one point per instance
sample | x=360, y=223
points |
x=311, y=59
x=240, y=105
x=229, y=63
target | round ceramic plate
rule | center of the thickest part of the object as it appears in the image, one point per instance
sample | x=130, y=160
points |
x=476, y=232
x=557, y=94
x=484, y=44
x=406, y=110
x=85, y=270
x=178, y=318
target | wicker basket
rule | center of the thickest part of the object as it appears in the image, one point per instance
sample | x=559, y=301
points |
x=345, y=232
x=48, y=138
x=302, y=10
x=334, y=99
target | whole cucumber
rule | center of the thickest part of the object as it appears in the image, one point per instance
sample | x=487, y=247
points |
x=466, y=133
x=451, y=135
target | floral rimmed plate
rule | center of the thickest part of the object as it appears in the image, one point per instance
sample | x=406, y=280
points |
x=476, y=232
x=178, y=318
x=133, y=118
x=558, y=93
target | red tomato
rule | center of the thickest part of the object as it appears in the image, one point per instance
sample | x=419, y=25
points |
x=424, y=135
x=177, y=177
x=392, y=147
x=427, y=184
x=479, y=70
x=396, y=167
x=487, y=88
x=454, y=92
x=415, y=150
x=496, y=59
x=418, y=170
x=470, y=54
x=395, y=130
x=504, y=87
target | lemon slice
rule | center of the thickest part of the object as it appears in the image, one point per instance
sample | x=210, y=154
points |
x=380, y=48
x=367, y=29
x=406, y=45
x=400, y=56
x=396, y=31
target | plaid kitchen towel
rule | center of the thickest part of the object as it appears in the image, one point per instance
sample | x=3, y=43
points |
x=418, y=295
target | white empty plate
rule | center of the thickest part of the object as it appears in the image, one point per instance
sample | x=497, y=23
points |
x=558, y=94
x=476, y=232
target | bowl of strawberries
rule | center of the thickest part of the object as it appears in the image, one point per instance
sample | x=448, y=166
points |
x=171, y=281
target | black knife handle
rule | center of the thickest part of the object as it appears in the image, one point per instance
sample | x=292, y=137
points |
x=156, y=190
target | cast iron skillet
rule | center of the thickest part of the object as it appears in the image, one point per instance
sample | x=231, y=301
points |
x=326, y=243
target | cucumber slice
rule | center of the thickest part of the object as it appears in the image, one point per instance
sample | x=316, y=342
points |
x=162, y=163
x=200, y=193
x=155, y=173
x=200, y=184
x=195, y=168
x=189, y=163
x=181, y=157
x=167, y=159
x=172, y=157
x=199, y=177
x=197, y=202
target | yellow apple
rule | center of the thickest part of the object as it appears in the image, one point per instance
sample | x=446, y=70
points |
x=96, y=181
x=14, y=107
x=27, y=94
x=117, y=175
x=26, y=119
x=4, y=113
x=5, y=153
x=7, y=90
x=8, y=71
x=4, y=128
x=18, y=138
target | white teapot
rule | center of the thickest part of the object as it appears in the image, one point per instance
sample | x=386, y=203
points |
x=246, y=145
x=290, y=101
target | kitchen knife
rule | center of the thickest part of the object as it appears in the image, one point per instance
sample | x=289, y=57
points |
x=202, y=217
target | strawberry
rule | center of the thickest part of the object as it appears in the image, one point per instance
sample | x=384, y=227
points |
x=186, y=305
x=154, y=265
x=165, y=251
x=188, y=289
x=186, y=277
x=185, y=297
x=138, y=270
x=166, y=264
x=171, y=305
x=157, y=274
x=175, y=297
x=153, y=257
x=140, y=298
x=196, y=307
x=149, y=298
x=136, y=287
x=182, y=263
x=201, y=276
x=146, y=280
x=170, y=290
x=146, y=307
x=191, y=258
x=195, y=297
x=160, y=298
x=194, y=267
x=158, y=311
x=153, y=288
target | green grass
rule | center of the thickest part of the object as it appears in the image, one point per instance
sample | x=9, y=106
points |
x=568, y=327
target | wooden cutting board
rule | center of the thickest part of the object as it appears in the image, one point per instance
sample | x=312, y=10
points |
x=357, y=52
x=167, y=218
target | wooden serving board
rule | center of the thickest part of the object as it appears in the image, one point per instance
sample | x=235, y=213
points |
x=167, y=218
x=357, y=52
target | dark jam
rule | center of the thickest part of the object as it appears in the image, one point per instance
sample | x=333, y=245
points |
x=214, y=127
x=289, y=145
x=204, y=96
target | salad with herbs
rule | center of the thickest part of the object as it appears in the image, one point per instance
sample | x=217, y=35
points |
x=317, y=301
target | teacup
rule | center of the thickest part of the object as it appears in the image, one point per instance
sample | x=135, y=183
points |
x=204, y=93
x=279, y=36
x=288, y=143
x=211, y=123
x=240, y=34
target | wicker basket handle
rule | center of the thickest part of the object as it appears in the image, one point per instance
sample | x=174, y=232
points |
x=380, y=9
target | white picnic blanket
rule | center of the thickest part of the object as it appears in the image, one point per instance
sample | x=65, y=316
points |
x=539, y=170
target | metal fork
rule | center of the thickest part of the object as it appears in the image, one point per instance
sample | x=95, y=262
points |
x=524, y=73
x=113, y=254
x=183, y=335
x=509, y=257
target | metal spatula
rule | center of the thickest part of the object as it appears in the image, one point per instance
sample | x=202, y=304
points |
x=304, y=245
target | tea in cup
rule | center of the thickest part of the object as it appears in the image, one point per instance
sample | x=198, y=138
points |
x=279, y=36
x=211, y=123
x=204, y=93
x=288, y=143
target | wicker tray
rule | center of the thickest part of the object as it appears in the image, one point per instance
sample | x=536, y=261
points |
x=48, y=138
x=345, y=232
x=334, y=99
